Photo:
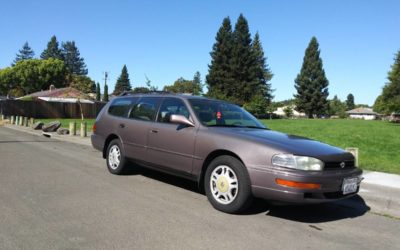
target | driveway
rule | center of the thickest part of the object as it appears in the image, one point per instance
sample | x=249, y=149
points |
x=59, y=195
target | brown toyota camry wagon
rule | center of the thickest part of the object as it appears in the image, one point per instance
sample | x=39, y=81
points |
x=225, y=149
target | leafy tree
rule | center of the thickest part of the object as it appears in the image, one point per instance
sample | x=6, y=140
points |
x=258, y=106
x=82, y=83
x=52, y=50
x=220, y=75
x=389, y=100
x=350, y=102
x=35, y=75
x=141, y=90
x=98, y=92
x=105, y=97
x=263, y=72
x=93, y=87
x=288, y=111
x=73, y=61
x=149, y=85
x=311, y=84
x=186, y=86
x=337, y=107
x=8, y=82
x=25, y=53
x=123, y=82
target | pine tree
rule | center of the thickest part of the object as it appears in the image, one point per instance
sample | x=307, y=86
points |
x=98, y=94
x=52, y=50
x=25, y=53
x=123, y=83
x=220, y=76
x=350, y=102
x=105, y=96
x=244, y=66
x=263, y=74
x=389, y=100
x=73, y=61
x=197, y=85
x=311, y=84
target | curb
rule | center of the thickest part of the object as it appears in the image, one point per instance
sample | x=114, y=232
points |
x=73, y=139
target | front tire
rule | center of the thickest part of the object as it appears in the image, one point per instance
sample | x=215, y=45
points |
x=116, y=161
x=227, y=185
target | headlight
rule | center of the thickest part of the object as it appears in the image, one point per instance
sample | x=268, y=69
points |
x=297, y=162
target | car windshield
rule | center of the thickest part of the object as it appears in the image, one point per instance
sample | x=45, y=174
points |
x=213, y=113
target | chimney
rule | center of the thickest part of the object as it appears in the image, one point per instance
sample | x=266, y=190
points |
x=52, y=87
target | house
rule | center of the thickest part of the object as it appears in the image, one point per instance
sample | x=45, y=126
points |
x=67, y=94
x=362, y=113
x=280, y=111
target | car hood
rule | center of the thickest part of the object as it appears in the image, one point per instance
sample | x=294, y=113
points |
x=289, y=143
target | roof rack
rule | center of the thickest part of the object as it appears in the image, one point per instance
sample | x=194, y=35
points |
x=125, y=93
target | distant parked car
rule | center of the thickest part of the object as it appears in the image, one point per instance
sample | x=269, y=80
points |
x=395, y=117
x=225, y=149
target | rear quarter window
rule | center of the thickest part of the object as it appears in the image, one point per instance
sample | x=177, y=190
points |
x=121, y=107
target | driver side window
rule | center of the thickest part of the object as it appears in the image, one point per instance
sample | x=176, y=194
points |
x=172, y=106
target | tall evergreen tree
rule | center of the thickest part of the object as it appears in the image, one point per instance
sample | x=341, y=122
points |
x=25, y=53
x=73, y=61
x=220, y=76
x=243, y=64
x=52, y=50
x=350, y=102
x=311, y=84
x=105, y=96
x=197, y=85
x=263, y=73
x=389, y=100
x=123, y=83
x=98, y=94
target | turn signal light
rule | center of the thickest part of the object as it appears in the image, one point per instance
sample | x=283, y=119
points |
x=295, y=184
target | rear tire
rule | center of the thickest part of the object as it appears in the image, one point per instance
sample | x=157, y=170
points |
x=115, y=158
x=227, y=185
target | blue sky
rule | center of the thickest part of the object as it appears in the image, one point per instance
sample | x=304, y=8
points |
x=166, y=40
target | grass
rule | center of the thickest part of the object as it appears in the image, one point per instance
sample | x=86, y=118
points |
x=65, y=122
x=378, y=141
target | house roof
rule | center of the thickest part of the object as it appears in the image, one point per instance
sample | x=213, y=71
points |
x=361, y=111
x=61, y=93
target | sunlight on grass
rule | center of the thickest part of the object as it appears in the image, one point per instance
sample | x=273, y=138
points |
x=378, y=141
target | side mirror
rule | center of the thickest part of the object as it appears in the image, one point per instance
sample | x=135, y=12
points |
x=180, y=119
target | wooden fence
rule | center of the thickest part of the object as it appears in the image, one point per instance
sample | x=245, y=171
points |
x=43, y=109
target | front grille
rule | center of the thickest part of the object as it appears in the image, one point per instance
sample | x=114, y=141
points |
x=336, y=165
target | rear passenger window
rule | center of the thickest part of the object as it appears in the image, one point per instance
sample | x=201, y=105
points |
x=120, y=107
x=145, y=109
x=172, y=106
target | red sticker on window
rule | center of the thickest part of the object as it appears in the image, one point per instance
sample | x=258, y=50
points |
x=219, y=115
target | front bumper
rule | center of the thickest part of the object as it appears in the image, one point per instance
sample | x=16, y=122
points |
x=264, y=185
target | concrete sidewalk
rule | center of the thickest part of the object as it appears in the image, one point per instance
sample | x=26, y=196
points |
x=381, y=191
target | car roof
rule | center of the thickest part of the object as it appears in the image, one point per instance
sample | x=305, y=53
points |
x=164, y=94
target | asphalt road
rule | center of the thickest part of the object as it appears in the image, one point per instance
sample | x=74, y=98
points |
x=59, y=195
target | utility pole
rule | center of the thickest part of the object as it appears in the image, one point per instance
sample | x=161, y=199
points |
x=105, y=97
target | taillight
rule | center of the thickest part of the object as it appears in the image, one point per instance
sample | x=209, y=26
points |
x=94, y=128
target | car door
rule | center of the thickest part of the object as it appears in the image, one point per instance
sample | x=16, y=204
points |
x=134, y=130
x=172, y=145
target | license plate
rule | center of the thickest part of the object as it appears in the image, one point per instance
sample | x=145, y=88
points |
x=350, y=185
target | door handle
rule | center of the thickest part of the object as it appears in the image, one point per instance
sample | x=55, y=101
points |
x=122, y=125
x=154, y=131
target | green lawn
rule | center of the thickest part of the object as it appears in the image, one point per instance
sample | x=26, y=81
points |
x=378, y=141
x=65, y=122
